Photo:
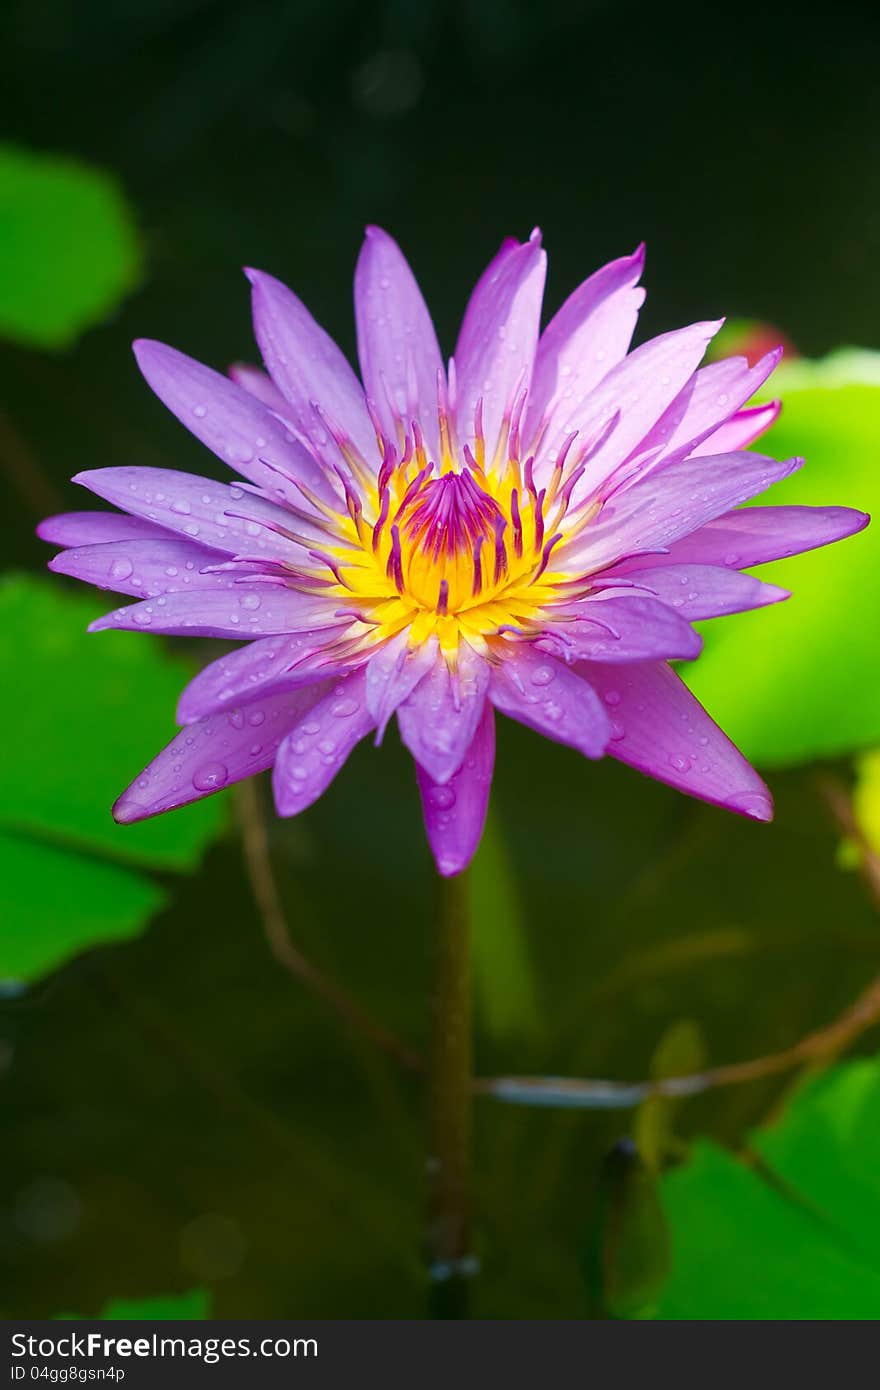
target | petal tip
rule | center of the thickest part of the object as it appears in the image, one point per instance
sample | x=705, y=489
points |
x=756, y=805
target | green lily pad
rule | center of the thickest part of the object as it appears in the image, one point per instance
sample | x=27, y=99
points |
x=796, y=1237
x=800, y=680
x=69, y=250
x=82, y=717
x=195, y=1304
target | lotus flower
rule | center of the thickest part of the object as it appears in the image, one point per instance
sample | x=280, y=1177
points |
x=531, y=530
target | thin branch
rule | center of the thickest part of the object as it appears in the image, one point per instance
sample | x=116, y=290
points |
x=264, y=887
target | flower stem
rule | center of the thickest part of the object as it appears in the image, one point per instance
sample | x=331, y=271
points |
x=449, y=1097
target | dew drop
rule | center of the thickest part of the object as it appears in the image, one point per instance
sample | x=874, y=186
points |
x=343, y=709
x=210, y=776
x=441, y=798
x=236, y=718
x=181, y=506
x=543, y=675
x=121, y=569
x=199, y=411
x=256, y=718
x=612, y=697
x=250, y=601
x=299, y=774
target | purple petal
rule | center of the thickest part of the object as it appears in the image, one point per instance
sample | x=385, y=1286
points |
x=96, y=528
x=710, y=398
x=629, y=628
x=704, y=591
x=397, y=345
x=540, y=692
x=438, y=720
x=315, y=749
x=649, y=516
x=496, y=347
x=264, y=667
x=237, y=427
x=236, y=610
x=741, y=430
x=145, y=568
x=756, y=535
x=308, y=368
x=659, y=728
x=213, y=754
x=258, y=383
x=629, y=401
x=455, y=812
x=587, y=337
x=392, y=675
x=210, y=512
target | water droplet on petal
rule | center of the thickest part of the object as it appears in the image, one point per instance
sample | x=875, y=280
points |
x=210, y=776
x=251, y=601
x=344, y=708
x=121, y=569
x=181, y=506
x=543, y=675
x=441, y=798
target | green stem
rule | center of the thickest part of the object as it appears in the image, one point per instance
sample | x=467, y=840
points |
x=449, y=1092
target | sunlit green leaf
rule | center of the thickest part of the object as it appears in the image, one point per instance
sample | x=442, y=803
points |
x=82, y=717
x=68, y=247
x=798, y=1240
x=800, y=680
x=192, y=1305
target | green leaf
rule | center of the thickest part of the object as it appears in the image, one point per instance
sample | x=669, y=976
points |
x=192, y=1305
x=799, y=680
x=68, y=247
x=54, y=902
x=798, y=1240
x=503, y=974
x=82, y=716
x=866, y=799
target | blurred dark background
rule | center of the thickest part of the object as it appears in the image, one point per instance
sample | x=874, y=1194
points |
x=183, y=1111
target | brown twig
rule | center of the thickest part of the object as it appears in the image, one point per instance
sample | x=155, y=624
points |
x=264, y=887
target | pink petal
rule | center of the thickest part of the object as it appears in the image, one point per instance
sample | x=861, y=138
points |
x=630, y=628
x=393, y=673
x=259, y=384
x=651, y=515
x=308, y=368
x=455, y=812
x=438, y=720
x=756, y=535
x=540, y=692
x=225, y=518
x=663, y=731
x=316, y=748
x=703, y=591
x=496, y=347
x=264, y=667
x=213, y=754
x=237, y=427
x=741, y=430
x=628, y=402
x=397, y=345
x=707, y=402
x=582, y=342
x=236, y=610
x=96, y=528
x=145, y=568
